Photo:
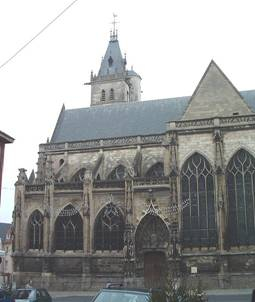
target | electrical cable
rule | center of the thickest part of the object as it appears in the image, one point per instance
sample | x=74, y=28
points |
x=38, y=34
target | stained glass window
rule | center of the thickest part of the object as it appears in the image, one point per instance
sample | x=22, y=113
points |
x=36, y=230
x=197, y=191
x=118, y=173
x=240, y=176
x=79, y=176
x=155, y=171
x=109, y=229
x=151, y=233
x=69, y=230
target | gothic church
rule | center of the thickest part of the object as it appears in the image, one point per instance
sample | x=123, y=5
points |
x=129, y=190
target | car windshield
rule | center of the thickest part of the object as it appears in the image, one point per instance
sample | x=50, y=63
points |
x=118, y=296
x=23, y=294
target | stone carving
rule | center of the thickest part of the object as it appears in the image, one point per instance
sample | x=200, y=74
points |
x=17, y=208
x=35, y=188
x=86, y=202
x=46, y=210
x=237, y=119
x=129, y=243
x=219, y=160
x=31, y=180
x=194, y=123
x=49, y=174
x=22, y=177
x=122, y=141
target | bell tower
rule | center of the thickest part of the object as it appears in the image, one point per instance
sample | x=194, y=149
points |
x=114, y=83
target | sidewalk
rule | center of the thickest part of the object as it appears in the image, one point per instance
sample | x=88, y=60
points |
x=241, y=291
x=212, y=292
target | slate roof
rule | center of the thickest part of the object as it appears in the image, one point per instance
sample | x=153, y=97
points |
x=4, y=227
x=118, y=66
x=124, y=119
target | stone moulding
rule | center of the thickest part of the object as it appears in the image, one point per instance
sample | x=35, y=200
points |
x=151, y=181
x=230, y=121
x=101, y=143
x=35, y=188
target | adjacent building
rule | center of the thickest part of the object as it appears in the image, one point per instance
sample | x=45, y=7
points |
x=4, y=139
x=129, y=190
x=6, y=270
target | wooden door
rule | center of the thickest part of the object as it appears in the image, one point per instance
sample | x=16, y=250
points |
x=154, y=269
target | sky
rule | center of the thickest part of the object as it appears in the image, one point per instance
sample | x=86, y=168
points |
x=169, y=43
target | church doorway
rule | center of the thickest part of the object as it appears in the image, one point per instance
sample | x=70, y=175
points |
x=154, y=269
x=152, y=244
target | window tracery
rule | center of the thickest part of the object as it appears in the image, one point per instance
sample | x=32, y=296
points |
x=109, y=229
x=79, y=176
x=198, y=218
x=69, y=230
x=240, y=177
x=151, y=233
x=36, y=230
x=118, y=173
x=155, y=171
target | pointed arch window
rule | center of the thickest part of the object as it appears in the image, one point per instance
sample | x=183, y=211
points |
x=69, y=230
x=118, y=173
x=112, y=94
x=152, y=233
x=79, y=176
x=197, y=190
x=240, y=174
x=155, y=171
x=109, y=229
x=103, y=95
x=36, y=230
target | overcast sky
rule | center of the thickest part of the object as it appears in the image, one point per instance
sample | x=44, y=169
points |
x=169, y=43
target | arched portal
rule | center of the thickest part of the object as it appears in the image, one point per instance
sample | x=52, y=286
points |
x=152, y=241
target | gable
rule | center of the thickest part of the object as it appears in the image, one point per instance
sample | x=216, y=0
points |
x=215, y=96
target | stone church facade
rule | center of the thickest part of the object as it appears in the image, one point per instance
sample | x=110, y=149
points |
x=129, y=190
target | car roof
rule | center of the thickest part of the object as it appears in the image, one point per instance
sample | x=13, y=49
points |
x=128, y=289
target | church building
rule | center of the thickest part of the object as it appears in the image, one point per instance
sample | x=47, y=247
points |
x=131, y=191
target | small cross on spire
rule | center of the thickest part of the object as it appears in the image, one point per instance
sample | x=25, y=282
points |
x=114, y=32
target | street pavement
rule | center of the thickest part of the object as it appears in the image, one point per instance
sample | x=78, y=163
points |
x=234, y=295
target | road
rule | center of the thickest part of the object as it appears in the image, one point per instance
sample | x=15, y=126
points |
x=212, y=298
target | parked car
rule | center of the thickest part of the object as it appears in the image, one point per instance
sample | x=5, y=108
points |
x=116, y=293
x=5, y=296
x=31, y=295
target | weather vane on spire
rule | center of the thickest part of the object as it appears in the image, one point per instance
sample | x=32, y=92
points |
x=114, y=32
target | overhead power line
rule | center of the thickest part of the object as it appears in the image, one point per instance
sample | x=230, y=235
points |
x=38, y=34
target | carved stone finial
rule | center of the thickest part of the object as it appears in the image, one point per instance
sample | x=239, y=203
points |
x=31, y=179
x=22, y=177
x=217, y=136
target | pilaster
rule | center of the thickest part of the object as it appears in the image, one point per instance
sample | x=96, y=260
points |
x=129, y=240
x=18, y=213
x=220, y=187
x=87, y=201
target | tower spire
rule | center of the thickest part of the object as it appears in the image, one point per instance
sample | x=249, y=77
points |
x=114, y=31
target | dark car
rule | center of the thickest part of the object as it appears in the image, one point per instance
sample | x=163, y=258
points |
x=5, y=296
x=115, y=293
x=31, y=295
